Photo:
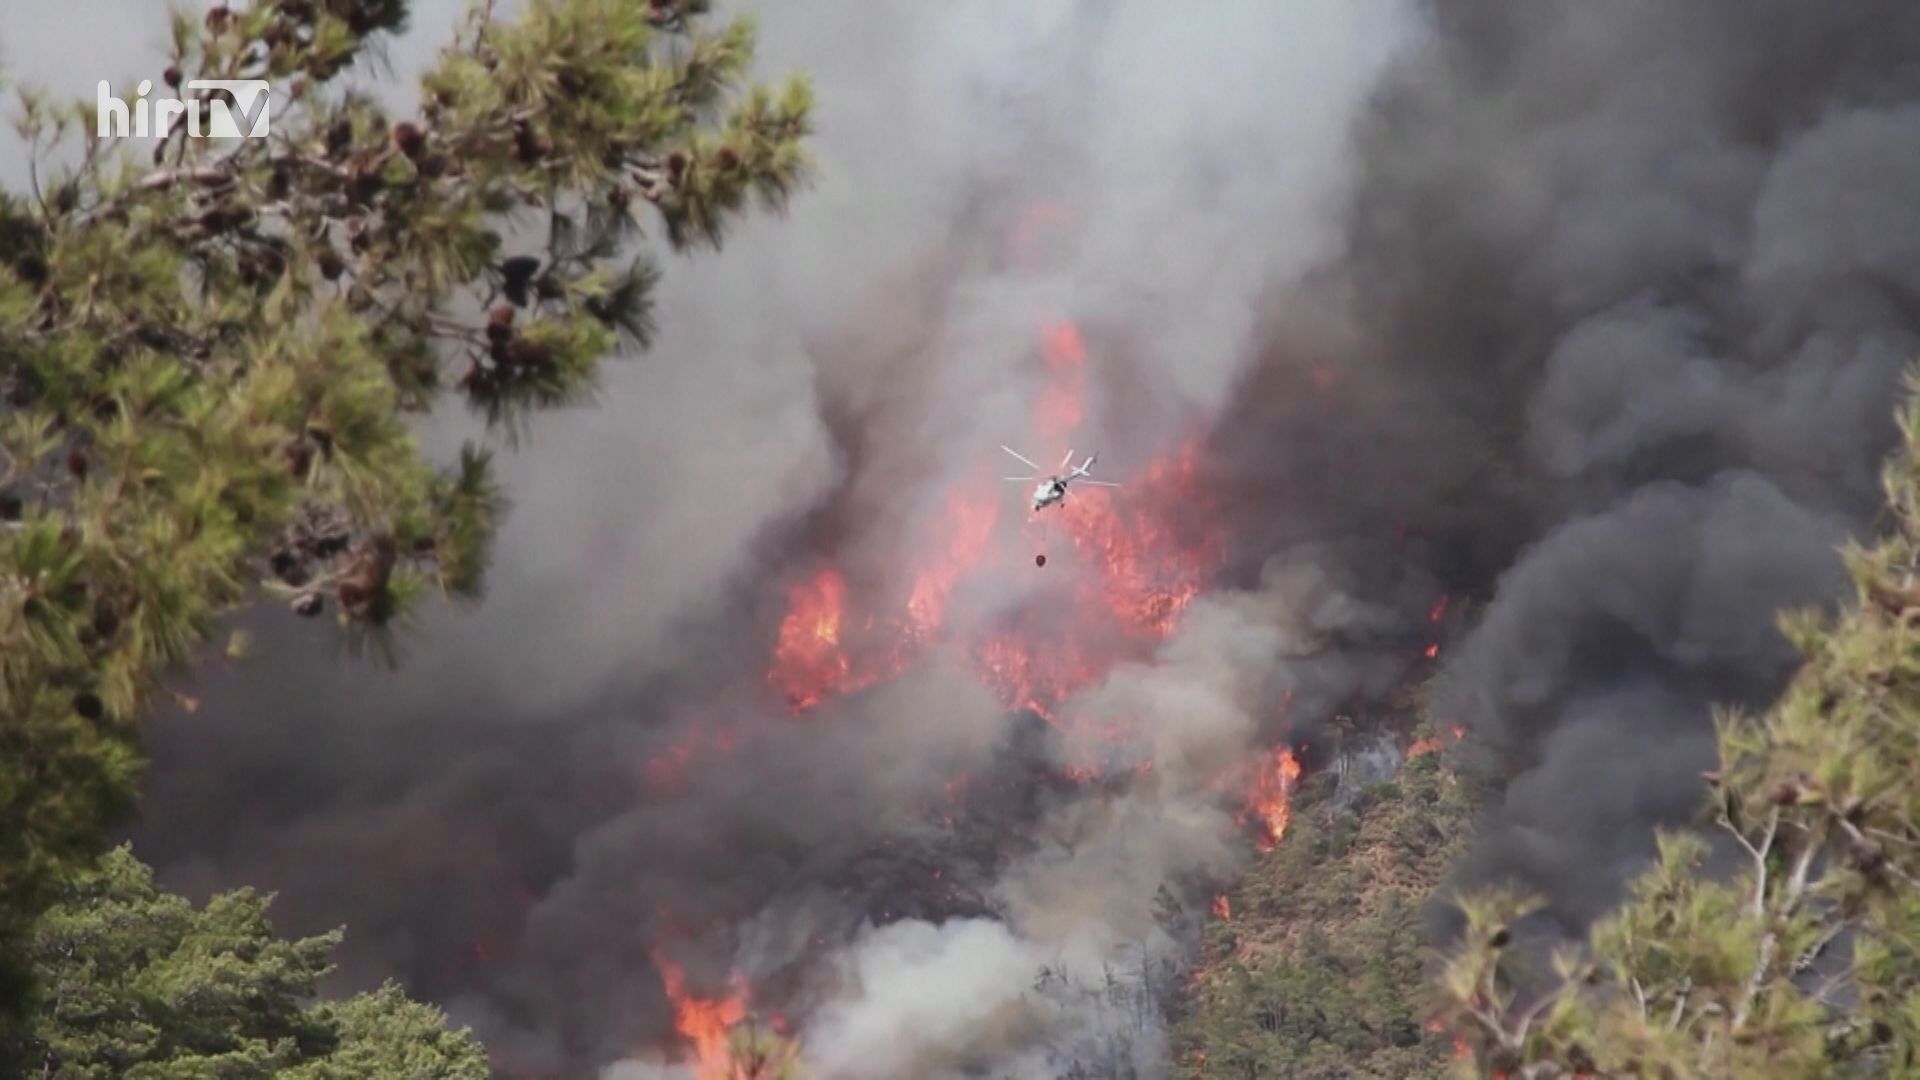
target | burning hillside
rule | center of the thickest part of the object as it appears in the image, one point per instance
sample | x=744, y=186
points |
x=1586, y=316
x=1126, y=563
x=1134, y=557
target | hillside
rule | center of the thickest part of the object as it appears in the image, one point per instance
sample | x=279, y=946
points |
x=1315, y=963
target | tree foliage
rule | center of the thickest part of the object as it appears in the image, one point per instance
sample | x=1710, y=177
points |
x=1804, y=963
x=138, y=983
x=210, y=358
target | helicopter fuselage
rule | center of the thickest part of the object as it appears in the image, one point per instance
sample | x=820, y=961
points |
x=1049, y=493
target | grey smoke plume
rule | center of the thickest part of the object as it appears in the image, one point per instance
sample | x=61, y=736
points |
x=1666, y=259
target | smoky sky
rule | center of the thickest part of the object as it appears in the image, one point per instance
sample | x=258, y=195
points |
x=1665, y=258
x=1591, y=315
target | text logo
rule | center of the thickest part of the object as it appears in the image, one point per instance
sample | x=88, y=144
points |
x=239, y=112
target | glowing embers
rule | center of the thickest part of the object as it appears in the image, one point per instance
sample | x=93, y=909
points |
x=1267, y=807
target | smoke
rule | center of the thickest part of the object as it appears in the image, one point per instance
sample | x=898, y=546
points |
x=1666, y=260
x=1084, y=956
x=1595, y=313
x=558, y=795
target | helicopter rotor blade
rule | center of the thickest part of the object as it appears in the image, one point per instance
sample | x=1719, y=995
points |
x=1068, y=460
x=1019, y=479
x=1021, y=458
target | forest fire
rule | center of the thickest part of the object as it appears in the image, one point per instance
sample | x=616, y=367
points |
x=808, y=659
x=1267, y=798
x=1142, y=554
x=703, y=1022
x=1435, y=743
x=1130, y=560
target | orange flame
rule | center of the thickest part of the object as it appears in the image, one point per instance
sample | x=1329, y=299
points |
x=703, y=1022
x=1138, y=556
x=1434, y=743
x=1222, y=908
x=1267, y=800
x=1060, y=408
x=1142, y=554
x=968, y=526
x=808, y=659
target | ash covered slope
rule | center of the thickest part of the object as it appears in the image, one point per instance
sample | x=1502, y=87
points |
x=1666, y=262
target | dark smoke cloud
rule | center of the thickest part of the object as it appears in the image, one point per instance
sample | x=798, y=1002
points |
x=1665, y=259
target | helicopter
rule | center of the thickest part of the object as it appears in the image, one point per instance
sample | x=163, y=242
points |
x=1053, y=489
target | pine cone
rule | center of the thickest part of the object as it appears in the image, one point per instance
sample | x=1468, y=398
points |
x=287, y=565
x=364, y=587
x=500, y=324
x=299, y=454
x=529, y=354
x=518, y=272
x=409, y=139
x=530, y=145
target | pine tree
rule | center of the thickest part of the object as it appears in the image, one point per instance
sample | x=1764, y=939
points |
x=210, y=358
x=138, y=983
x=756, y=1053
x=1807, y=962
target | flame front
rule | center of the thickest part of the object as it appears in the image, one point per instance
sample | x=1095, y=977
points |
x=1122, y=565
x=809, y=663
x=703, y=1022
x=1267, y=806
x=967, y=523
x=1435, y=743
x=1143, y=552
